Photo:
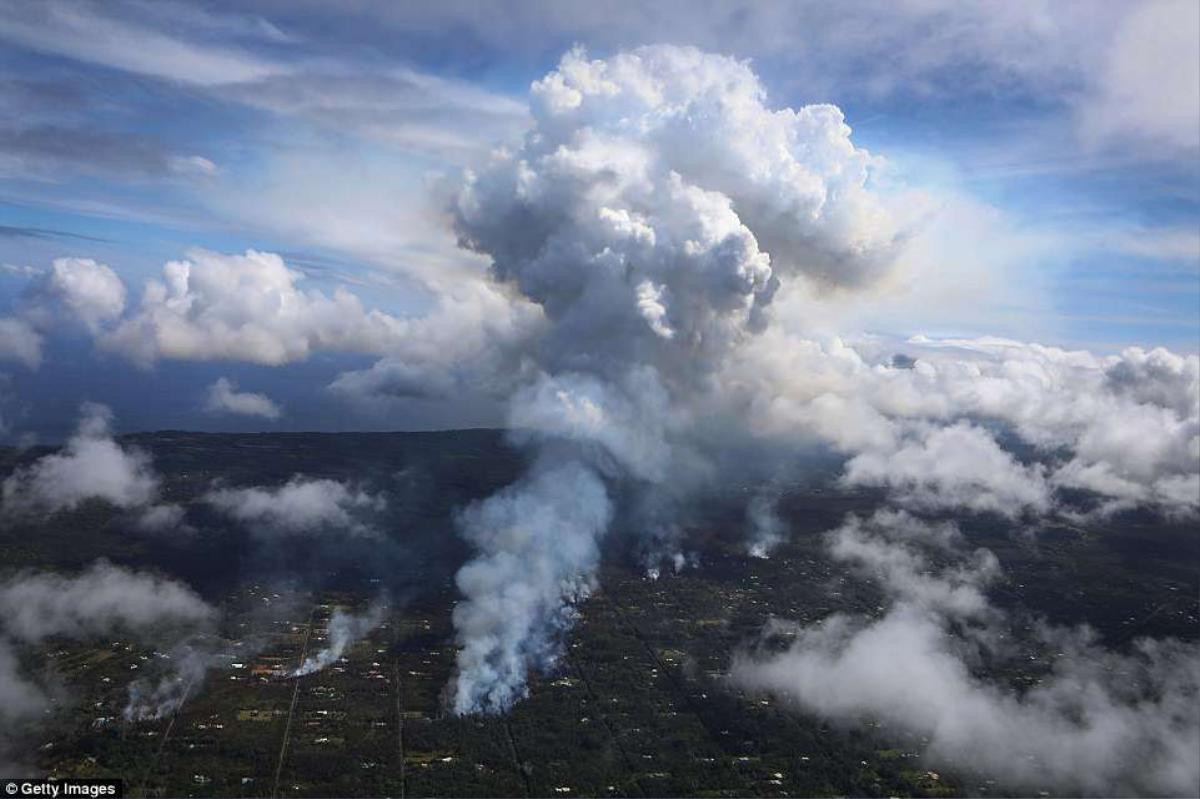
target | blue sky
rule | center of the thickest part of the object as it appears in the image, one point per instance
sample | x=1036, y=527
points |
x=1059, y=141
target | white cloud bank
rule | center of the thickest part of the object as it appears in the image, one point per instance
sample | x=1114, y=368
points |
x=253, y=308
x=1126, y=427
x=76, y=290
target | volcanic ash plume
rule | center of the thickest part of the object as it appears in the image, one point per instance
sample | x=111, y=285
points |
x=636, y=215
x=344, y=630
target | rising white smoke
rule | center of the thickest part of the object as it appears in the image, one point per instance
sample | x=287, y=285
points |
x=767, y=529
x=187, y=663
x=344, y=629
x=635, y=215
x=538, y=553
x=103, y=600
x=654, y=211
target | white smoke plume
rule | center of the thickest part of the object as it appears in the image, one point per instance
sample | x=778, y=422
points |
x=657, y=212
x=186, y=665
x=634, y=215
x=767, y=529
x=344, y=629
x=537, y=544
x=178, y=671
x=1097, y=723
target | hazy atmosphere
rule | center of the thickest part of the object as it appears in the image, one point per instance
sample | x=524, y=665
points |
x=829, y=370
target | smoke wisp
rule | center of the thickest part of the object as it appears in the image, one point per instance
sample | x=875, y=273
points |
x=344, y=629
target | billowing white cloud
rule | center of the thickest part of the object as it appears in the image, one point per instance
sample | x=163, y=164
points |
x=223, y=397
x=959, y=466
x=301, y=505
x=90, y=465
x=72, y=290
x=89, y=291
x=889, y=546
x=1082, y=729
x=244, y=307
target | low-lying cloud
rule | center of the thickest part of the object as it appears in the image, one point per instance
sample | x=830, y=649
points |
x=92, y=465
x=1098, y=722
x=103, y=600
x=223, y=397
x=301, y=505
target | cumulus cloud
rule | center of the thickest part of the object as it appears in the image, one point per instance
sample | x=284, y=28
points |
x=77, y=290
x=253, y=308
x=1098, y=722
x=223, y=397
x=244, y=307
x=301, y=505
x=892, y=547
x=960, y=466
x=472, y=342
x=1083, y=729
x=91, y=465
x=86, y=289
